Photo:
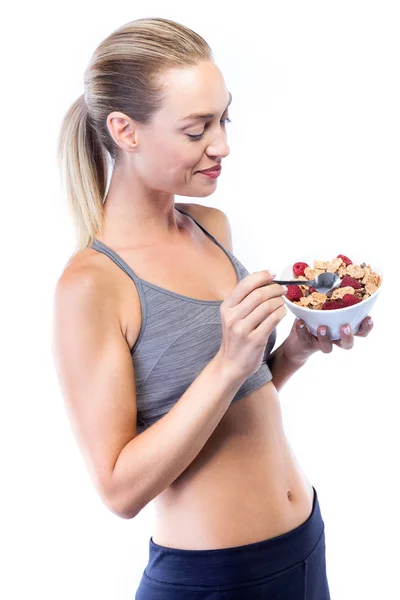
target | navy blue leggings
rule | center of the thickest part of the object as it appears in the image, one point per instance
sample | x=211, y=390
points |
x=287, y=567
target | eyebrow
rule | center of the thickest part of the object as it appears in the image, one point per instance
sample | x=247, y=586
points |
x=204, y=116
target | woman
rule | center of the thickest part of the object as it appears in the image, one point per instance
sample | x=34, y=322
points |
x=168, y=374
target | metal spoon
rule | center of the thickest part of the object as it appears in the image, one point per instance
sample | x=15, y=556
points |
x=323, y=283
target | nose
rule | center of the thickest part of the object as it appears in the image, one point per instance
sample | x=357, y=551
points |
x=219, y=145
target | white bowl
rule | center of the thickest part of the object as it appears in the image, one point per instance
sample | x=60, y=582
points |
x=333, y=319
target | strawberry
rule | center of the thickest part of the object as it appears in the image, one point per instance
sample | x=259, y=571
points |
x=331, y=305
x=346, y=260
x=298, y=269
x=349, y=300
x=351, y=281
x=294, y=293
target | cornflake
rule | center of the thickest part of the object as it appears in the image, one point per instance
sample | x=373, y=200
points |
x=340, y=292
x=355, y=271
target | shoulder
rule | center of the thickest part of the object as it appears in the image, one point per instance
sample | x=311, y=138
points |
x=213, y=219
x=86, y=284
x=82, y=288
x=83, y=272
x=86, y=306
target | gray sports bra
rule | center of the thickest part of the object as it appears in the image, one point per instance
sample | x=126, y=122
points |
x=179, y=335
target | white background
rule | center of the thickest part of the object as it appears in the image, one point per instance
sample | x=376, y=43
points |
x=314, y=164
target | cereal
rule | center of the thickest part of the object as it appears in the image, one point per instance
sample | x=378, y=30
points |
x=363, y=276
x=340, y=292
x=334, y=265
x=355, y=271
x=371, y=288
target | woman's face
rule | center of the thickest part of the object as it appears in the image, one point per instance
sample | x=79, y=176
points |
x=168, y=158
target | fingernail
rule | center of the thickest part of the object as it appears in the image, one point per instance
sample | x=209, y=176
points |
x=323, y=331
x=347, y=330
x=370, y=322
x=301, y=325
x=285, y=288
x=272, y=273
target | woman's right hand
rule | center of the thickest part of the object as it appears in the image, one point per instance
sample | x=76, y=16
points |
x=249, y=315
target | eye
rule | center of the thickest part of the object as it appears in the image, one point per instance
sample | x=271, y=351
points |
x=196, y=138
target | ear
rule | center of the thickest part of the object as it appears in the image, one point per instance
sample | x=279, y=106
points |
x=123, y=130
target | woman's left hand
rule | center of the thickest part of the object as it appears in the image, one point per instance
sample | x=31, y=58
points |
x=301, y=344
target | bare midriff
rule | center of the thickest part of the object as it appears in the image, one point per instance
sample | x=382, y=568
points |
x=244, y=486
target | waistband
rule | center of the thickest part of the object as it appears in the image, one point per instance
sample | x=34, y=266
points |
x=238, y=564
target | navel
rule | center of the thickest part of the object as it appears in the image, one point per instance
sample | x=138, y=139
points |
x=289, y=495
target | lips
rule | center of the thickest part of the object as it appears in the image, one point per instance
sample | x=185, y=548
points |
x=215, y=169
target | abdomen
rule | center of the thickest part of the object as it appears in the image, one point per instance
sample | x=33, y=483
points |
x=244, y=486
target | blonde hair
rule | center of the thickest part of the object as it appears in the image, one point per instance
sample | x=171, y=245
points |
x=122, y=75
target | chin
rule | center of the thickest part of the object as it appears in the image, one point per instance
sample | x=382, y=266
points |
x=205, y=194
x=201, y=194
x=195, y=193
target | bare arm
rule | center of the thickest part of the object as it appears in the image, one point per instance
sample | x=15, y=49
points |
x=150, y=462
x=281, y=367
x=97, y=377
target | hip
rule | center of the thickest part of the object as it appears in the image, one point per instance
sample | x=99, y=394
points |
x=227, y=517
x=242, y=488
x=290, y=566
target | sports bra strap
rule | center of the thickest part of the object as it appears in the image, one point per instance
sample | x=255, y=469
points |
x=101, y=247
x=199, y=224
